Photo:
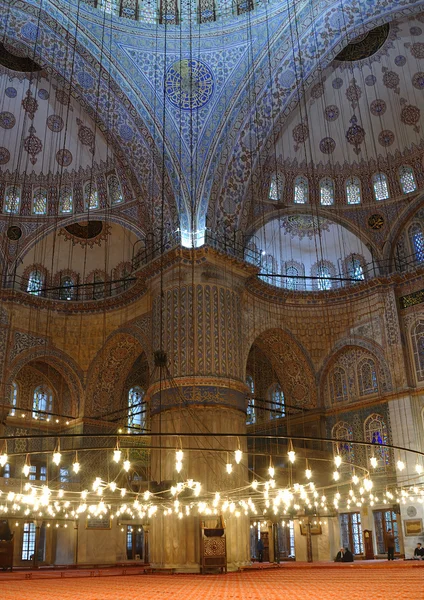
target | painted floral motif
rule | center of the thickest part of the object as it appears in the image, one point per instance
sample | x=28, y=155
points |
x=317, y=90
x=55, y=123
x=30, y=104
x=337, y=83
x=86, y=136
x=353, y=93
x=416, y=49
x=300, y=134
x=331, y=113
x=43, y=94
x=391, y=80
x=386, y=138
x=11, y=92
x=370, y=80
x=62, y=97
x=410, y=114
x=378, y=107
x=355, y=135
x=327, y=145
x=418, y=80
x=64, y=157
x=4, y=156
x=7, y=120
x=33, y=145
x=303, y=225
x=400, y=60
x=415, y=31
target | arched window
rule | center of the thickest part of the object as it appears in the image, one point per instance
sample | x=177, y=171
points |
x=417, y=336
x=91, y=199
x=291, y=280
x=354, y=268
x=380, y=186
x=110, y=6
x=12, y=199
x=35, y=283
x=39, y=201
x=268, y=267
x=417, y=241
x=98, y=287
x=338, y=385
x=326, y=191
x=353, y=190
x=42, y=402
x=375, y=430
x=343, y=431
x=250, y=412
x=407, y=179
x=65, y=200
x=301, y=190
x=367, y=375
x=276, y=188
x=136, y=409
x=13, y=399
x=114, y=190
x=67, y=288
x=324, y=276
x=277, y=404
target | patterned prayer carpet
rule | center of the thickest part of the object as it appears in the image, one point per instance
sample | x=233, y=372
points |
x=348, y=582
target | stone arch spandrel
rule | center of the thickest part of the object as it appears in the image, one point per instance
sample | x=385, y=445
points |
x=107, y=373
x=292, y=366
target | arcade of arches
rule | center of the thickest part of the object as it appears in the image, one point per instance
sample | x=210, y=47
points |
x=212, y=275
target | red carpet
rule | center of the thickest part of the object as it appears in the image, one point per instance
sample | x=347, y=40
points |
x=346, y=582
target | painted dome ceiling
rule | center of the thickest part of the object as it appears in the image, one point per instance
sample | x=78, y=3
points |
x=366, y=105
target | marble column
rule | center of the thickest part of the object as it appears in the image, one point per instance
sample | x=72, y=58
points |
x=197, y=322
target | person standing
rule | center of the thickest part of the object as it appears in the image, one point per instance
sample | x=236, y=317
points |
x=390, y=544
x=260, y=547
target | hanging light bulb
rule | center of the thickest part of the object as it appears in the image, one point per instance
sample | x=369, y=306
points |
x=179, y=455
x=336, y=475
x=57, y=457
x=373, y=462
x=308, y=472
x=117, y=455
x=229, y=468
x=75, y=465
x=27, y=466
x=337, y=460
x=418, y=468
x=127, y=465
x=271, y=471
x=291, y=453
x=400, y=465
x=3, y=459
x=238, y=455
x=355, y=479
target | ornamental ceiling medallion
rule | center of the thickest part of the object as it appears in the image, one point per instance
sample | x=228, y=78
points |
x=86, y=233
x=376, y=221
x=189, y=84
x=304, y=225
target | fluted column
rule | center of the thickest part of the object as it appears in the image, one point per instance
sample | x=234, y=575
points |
x=197, y=322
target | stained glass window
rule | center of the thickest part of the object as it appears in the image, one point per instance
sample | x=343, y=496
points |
x=417, y=241
x=277, y=404
x=381, y=187
x=375, y=430
x=67, y=289
x=343, y=431
x=65, y=200
x=114, y=189
x=35, y=283
x=351, y=532
x=243, y=6
x=109, y=6
x=324, y=275
x=12, y=199
x=276, y=188
x=136, y=409
x=169, y=12
x=417, y=335
x=353, y=190
x=268, y=267
x=291, y=281
x=338, y=385
x=407, y=179
x=42, y=402
x=148, y=10
x=355, y=269
x=207, y=11
x=301, y=190
x=13, y=399
x=39, y=202
x=91, y=199
x=368, y=383
x=250, y=413
x=326, y=191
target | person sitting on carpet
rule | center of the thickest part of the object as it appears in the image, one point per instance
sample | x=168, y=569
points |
x=347, y=556
x=340, y=554
x=419, y=552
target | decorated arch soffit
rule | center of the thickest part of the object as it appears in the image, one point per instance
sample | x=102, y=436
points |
x=67, y=49
x=322, y=30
